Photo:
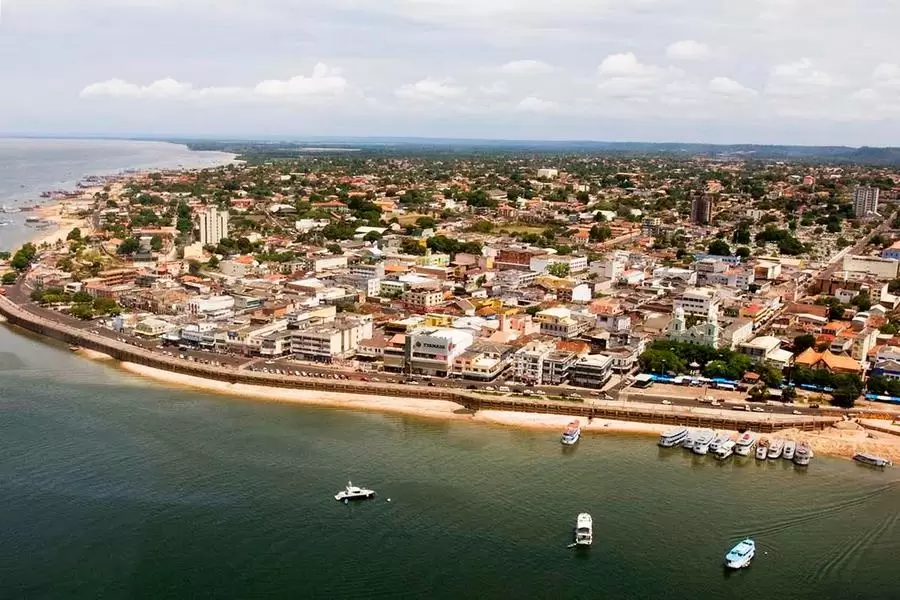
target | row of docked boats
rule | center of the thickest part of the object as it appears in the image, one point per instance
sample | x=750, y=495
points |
x=722, y=446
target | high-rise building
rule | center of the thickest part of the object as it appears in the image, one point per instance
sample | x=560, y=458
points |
x=701, y=209
x=213, y=226
x=865, y=201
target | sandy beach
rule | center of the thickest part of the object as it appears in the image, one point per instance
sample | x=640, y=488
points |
x=61, y=228
x=843, y=440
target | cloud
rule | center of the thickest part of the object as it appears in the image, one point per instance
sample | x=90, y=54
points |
x=621, y=65
x=496, y=88
x=725, y=86
x=526, y=67
x=536, y=105
x=624, y=76
x=799, y=78
x=324, y=82
x=430, y=90
x=688, y=50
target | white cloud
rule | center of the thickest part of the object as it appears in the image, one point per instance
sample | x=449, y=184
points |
x=496, y=88
x=799, y=78
x=725, y=86
x=430, y=90
x=534, y=104
x=526, y=67
x=624, y=76
x=621, y=65
x=688, y=50
x=324, y=81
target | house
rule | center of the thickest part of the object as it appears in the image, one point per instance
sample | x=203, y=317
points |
x=833, y=363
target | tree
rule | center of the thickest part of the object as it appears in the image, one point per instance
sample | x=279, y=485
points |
x=74, y=235
x=660, y=361
x=106, y=306
x=82, y=297
x=862, y=301
x=372, y=236
x=213, y=262
x=845, y=396
x=335, y=248
x=426, y=222
x=193, y=267
x=9, y=278
x=600, y=233
x=803, y=342
x=129, y=246
x=483, y=226
x=156, y=243
x=411, y=246
x=743, y=252
x=719, y=248
x=558, y=269
x=23, y=257
x=82, y=311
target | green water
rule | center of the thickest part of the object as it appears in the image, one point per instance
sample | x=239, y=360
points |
x=113, y=487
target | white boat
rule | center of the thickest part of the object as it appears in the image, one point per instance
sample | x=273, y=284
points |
x=725, y=450
x=351, y=492
x=790, y=447
x=776, y=448
x=689, y=439
x=572, y=433
x=584, y=530
x=704, y=438
x=870, y=459
x=718, y=441
x=745, y=444
x=762, y=449
x=803, y=454
x=672, y=437
x=741, y=555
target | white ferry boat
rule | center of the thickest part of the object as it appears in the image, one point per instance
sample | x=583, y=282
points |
x=870, y=459
x=672, y=437
x=803, y=454
x=741, y=555
x=689, y=439
x=718, y=441
x=725, y=450
x=790, y=447
x=745, y=444
x=704, y=438
x=572, y=433
x=351, y=492
x=584, y=530
x=776, y=448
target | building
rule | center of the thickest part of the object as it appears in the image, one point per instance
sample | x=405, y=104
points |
x=892, y=252
x=212, y=306
x=548, y=173
x=702, y=334
x=213, y=226
x=701, y=209
x=422, y=299
x=338, y=339
x=865, y=201
x=766, y=349
x=591, y=371
x=884, y=268
x=434, y=350
x=833, y=363
x=559, y=322
x=698, y=302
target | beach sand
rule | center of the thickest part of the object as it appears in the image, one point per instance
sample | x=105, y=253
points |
x=62, y=226
x=844, y=440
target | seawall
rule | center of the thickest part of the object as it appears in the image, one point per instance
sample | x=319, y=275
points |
x=20, y=317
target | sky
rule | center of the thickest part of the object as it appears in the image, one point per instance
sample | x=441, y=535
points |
x=814, y=72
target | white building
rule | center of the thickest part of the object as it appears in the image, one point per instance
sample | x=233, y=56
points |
x=885, y=268
x=214, y=305
x=699, y=302
x=213, y=226
x=548, y=173
x=865, y=201
x=339, y=339
x=433, y=350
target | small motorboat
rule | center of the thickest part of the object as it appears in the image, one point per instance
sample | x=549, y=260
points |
x=584, y=530
x=572, y=433
x=741, y=555
x=762, y=449
x=351, y=492
x=872, y=460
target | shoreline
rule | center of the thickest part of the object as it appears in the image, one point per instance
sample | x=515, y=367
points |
x=841, y=441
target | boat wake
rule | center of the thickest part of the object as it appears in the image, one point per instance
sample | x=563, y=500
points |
x=848, y=556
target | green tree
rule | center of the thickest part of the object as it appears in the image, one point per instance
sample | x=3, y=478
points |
x=483, y=226
x=213, y=262
x=600, y=233
x=719, y=248
x=9, y=278
x=372, y=236
x=74, y=235
x=156, y=243
x=334, y=248
x=82, y=311
x=106, y=306
x=129, y=246
x=426, y=222
x=862, y=301
x=845, y=397
x=193, y=267
x=743, y=252
x=660, y=361
x=558, y=269
x=802, y=342
x=23, y=257
x=82, y=297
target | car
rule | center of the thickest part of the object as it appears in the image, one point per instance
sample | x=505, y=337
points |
x=503, y=388
x=375, y=379
x=269, y=362
x=796, y=412
x=489, y=388
x=758, y=409
x=432, y=384
x=667, y=402
x=364, y=378
x=741, y=407
x=540, y=392
x=816, y=405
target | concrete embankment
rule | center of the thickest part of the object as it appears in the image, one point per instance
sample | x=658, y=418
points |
x=19, y=316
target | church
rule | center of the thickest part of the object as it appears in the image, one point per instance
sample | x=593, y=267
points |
x=704, y=334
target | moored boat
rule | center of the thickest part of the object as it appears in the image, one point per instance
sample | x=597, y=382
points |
x=584, y=530
x=703, y=440
x=762, y=449
x=790, y=448
x=725, y=450
x=672, y=437
x=803, y=454
x=572, y=433
x=689, y=439
x=776, y=448
x=872, y=460
x=351, y=492
x=720, y=439
x=745, y=444
x=741, y=555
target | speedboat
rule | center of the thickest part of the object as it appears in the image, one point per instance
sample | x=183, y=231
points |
x=725, y=450
x=351, y=492
x=790, y=447
x=762, y=449
x=718, y=441
x=741, y=555
x=703, y=440
x=803, y=454
x=672, y=437
x=689, y=439
x=572, y=433
x=584, y=530
x=870, y=459
x=745, y=444
x=776, y=448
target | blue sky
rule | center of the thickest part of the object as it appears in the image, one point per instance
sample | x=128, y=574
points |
x=760, y=71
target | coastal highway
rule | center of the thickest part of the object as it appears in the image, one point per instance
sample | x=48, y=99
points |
x=679, y=397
